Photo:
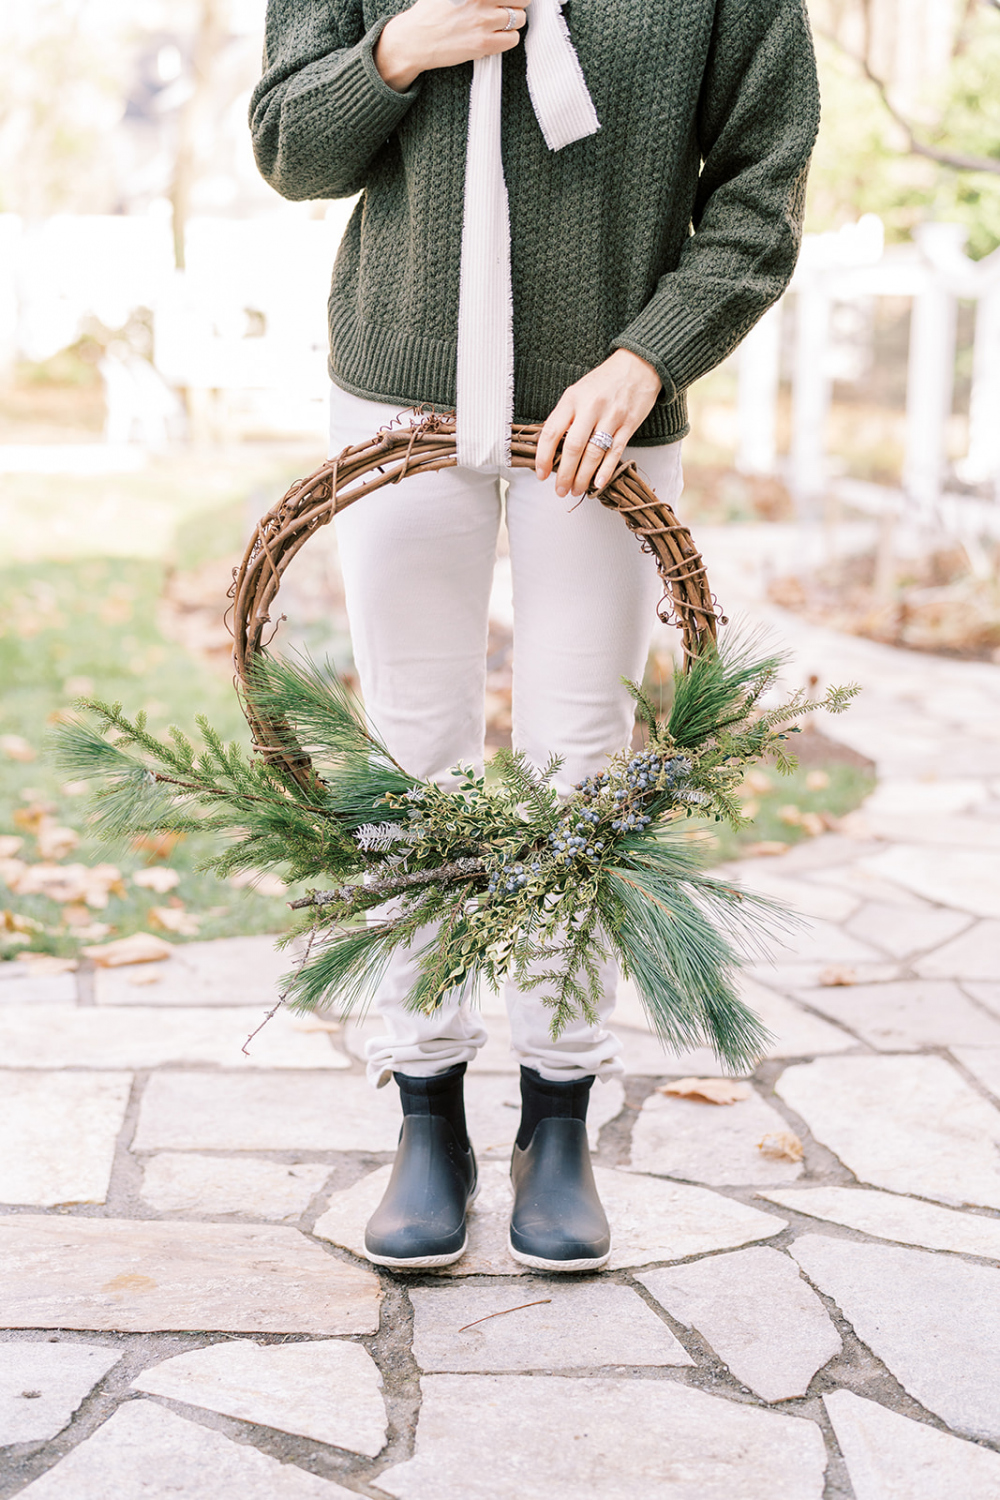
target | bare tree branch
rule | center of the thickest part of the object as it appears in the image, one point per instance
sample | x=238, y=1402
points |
x=958, y=161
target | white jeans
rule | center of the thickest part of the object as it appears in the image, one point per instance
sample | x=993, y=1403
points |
x=417, y=561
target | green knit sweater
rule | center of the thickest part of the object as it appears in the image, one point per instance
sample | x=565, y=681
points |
x=669, y=232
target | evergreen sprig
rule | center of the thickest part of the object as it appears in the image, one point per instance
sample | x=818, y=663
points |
x=488, y=882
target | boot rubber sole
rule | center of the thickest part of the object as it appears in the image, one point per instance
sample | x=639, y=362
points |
x=539, y=1263
x=417, y=1262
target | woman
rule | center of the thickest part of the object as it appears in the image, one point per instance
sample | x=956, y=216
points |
x=655, y=205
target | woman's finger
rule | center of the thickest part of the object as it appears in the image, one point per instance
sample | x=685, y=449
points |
x=610, y=461
x=573, y=447
x=558, y=421
x=589, y=462
x=514, y=14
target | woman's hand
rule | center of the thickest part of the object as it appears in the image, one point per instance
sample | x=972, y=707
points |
x=441, y=33
x=616, y=398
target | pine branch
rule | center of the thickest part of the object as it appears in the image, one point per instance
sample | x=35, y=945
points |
x=391, y=885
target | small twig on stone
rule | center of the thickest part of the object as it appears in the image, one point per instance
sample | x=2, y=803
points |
x=281, y=998
x=503, y=1312
x=458, y=869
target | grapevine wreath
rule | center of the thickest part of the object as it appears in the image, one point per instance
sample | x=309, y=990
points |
x=517, y=882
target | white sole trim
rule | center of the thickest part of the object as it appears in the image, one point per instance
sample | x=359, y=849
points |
x=539, y=1263
x=419, y=1262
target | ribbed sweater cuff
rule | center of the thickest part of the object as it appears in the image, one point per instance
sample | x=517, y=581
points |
x=355, y=93
x=674, y=340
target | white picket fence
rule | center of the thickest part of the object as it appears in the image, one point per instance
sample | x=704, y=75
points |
x=242, y=333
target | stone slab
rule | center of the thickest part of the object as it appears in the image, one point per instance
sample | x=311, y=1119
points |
x=57, y=1135
x=758, y=1314
x=239, y=971
x=18, y=986
x=937, y=829
x=821, y=942
x=910, y=797
x=145, y=1452
x=983, y=1063
x=579, y=1325
x=41, y=1386
x=806, y=897
x=905, y=1220
x=189, y=1111
x=986, y=991
x=902, y=931
x=968, y=879
x=908, y=1016
x=974, y=955
x=592, y=1438
x=493, y=1112
x=182, y=1183
x=890, y=1457
x=792, y=978
x=711, y=1143
x=44, y=1036
x=910, y=1124
x=326, y=1389
x=651, y=1220
x=933, y=1319
x=138, y=1277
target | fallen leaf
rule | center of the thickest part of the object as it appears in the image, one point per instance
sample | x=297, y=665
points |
x=156, y=878
x=156, y=845
x=767, y=848
x=813, y=824
x=836, y=975
x=757, y=781
x=262, y=881
x=75, y=788
x=150, y=976
x=750, y=808
x=16, y=747
x=817, y=781
x=781, y=1145
x=34, y=815
x=12, y=921
x=11, y=871
x=707, y=1090
x=55, y=842
x=139, y=948
x=93, y=932
x=76, y=915
x=46, y=964
x=9, y=845
x=790, y=814
x=184, y=923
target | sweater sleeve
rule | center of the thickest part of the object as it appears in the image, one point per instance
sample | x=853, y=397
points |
x=757, y=120
x=322, y=109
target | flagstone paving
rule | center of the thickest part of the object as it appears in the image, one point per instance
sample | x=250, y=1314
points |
x=187, y=1306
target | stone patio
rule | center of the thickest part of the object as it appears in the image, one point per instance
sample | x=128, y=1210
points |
x=188, y=1308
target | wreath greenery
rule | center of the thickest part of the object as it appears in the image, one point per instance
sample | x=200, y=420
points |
x=508, y=879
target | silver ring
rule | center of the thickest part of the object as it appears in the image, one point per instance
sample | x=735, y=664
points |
x=602, y=440
x=510, y=19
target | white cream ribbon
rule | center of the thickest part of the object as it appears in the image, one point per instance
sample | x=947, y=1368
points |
x=565, y=112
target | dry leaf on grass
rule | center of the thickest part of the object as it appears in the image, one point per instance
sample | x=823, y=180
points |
x=140, y=948
x=11, y=872
x=262, y=881
x=46, y=964
x=16, y=747
x=781, y=1145
x=817, y=781
x=837, y=975
x=174, y=919
x=34, y=815
x=156, y=845
x=757, y=781
x=71, y=883
x=156, y=878
x=55, y=842
x=76, y=788
x=11, y=922
x=767, y=848
x=750, y=808
x=790, y=814
x=707, y=1090
x=93, y=932
x=812, y=824
x=9, y=845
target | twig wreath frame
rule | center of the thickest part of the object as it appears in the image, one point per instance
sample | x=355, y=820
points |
x=395, y=454
x=512, y=881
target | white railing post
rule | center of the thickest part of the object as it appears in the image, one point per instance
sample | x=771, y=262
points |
x=930, y=380
x=757, y=396
x=810, y=394
x=982, y=463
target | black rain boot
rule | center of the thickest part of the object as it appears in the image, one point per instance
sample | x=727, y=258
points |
x=421, y=1219
x=558, y=1222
